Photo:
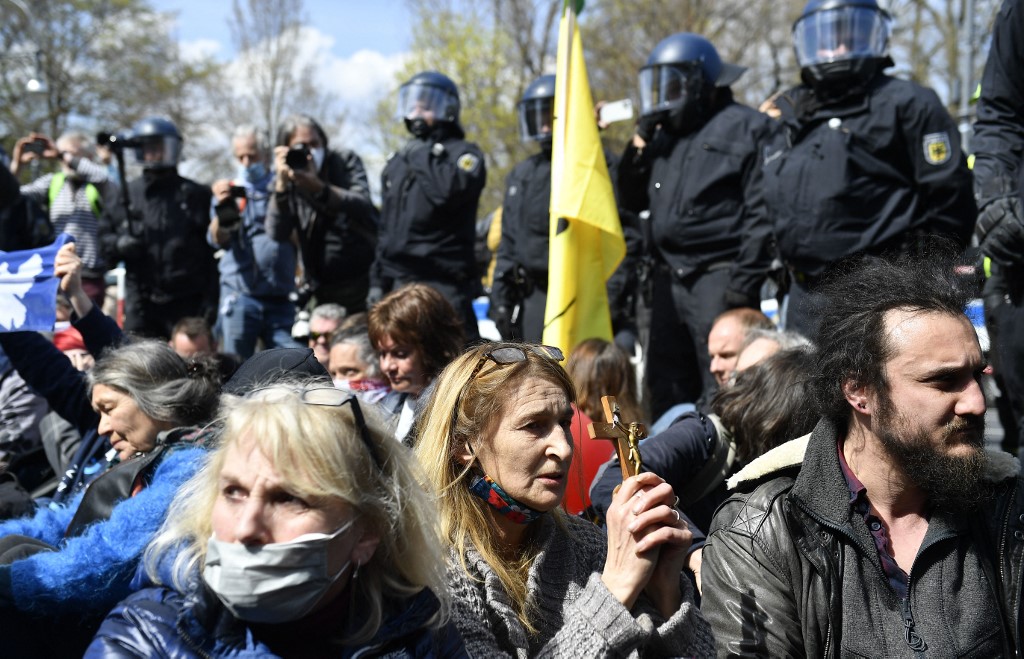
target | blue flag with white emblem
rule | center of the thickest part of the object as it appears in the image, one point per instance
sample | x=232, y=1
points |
x=28, y=289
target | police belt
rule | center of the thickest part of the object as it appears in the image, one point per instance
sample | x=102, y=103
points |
x=702, y=269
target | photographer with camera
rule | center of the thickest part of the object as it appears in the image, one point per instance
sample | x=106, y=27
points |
x=257, y=273
x=74, y=196
x=322, y=196
x=159, y=230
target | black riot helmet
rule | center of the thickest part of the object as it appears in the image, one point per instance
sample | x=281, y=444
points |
x=840, y=41
x=426, y=100
x=536, y=110
x=676, y=82
x=158, y=143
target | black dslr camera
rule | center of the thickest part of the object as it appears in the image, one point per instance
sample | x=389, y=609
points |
x=297, y=157
x=117, y=141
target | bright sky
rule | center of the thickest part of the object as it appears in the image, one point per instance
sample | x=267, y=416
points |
x=363, y=44
x=353, y=25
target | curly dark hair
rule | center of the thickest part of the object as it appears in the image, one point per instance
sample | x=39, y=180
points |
x=853, y=345
x=769, y=404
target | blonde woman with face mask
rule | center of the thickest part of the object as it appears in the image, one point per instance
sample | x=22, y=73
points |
x=306, y=534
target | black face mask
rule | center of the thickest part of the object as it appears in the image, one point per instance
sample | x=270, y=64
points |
x=417, y=127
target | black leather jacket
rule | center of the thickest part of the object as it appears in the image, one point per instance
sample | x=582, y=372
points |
x=790, y=570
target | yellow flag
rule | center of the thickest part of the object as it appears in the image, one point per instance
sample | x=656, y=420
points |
x=586, y=236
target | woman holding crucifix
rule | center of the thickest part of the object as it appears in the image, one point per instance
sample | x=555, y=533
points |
x=526, y=579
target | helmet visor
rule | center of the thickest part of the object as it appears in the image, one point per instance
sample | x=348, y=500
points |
x=842, y=33
x=417, y=101
x=535, y=119
x=156, y=151
x=663, y=88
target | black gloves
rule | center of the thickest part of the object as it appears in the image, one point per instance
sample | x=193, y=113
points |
x=1000, y=230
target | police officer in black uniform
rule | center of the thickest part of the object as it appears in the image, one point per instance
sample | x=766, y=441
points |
x=695, y=164
x=998, y=186
x=430, y=192
x=867, y=162
x=170, y=271
x=519, y=291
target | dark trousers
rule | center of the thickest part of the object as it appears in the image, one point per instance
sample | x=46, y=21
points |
x=682, y=312
x=155, y=317
x=1004, y=317
x=803, y=308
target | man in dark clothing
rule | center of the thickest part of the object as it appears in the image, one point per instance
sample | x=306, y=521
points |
x=169, y=268
x=519, y=291
x=430, y=191
x=890, y=530
x=695, y=164
x=323, y=196
x=998, y=186
x=865, y=163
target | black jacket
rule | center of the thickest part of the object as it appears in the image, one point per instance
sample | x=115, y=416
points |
x=865, y=174
x=790, y=569
x=337, y=233
x=430, y=190
x=703, y=190
x=173, y=214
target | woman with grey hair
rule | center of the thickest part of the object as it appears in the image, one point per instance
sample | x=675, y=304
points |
x=64, y=566
x=354, y=365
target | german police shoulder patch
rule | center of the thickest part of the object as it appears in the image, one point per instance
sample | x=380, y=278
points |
x=468, y=162
x=937, y=149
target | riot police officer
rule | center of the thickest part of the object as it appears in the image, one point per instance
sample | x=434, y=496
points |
x=170, y=271
x=695, y=164
x=999, y=145
x=519, y=291
x=430, y=191
x=867, y=163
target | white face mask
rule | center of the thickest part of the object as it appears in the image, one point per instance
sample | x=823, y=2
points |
x=318, y=157
x=274, y=583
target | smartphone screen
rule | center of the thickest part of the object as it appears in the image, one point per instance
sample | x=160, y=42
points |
x=617, y=111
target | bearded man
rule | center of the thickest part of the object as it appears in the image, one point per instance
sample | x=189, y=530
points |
x=889, y=530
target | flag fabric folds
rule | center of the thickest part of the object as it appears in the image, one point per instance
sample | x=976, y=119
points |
x=586, y=235
x=28, y=289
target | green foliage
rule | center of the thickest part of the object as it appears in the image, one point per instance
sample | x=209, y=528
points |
x=105, y=64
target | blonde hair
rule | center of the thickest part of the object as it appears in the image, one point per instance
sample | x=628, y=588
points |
x=466, y=520
x=321, y=453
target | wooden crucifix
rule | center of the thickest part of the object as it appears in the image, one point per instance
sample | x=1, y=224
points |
x=626, y=438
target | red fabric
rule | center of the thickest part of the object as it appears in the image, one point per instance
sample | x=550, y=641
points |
x=69, y=339
x=588, y=456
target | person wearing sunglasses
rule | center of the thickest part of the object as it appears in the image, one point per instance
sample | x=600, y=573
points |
x=526, y=579
x=306, y=534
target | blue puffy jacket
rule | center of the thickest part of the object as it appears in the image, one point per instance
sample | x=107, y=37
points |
x=162, y=622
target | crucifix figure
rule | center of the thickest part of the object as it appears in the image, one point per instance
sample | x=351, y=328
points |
x=626, y=438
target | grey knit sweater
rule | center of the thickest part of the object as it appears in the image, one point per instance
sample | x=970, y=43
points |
x=576, y=615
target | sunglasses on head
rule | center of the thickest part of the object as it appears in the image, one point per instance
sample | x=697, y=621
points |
x=331, y=397
x=502, y=355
